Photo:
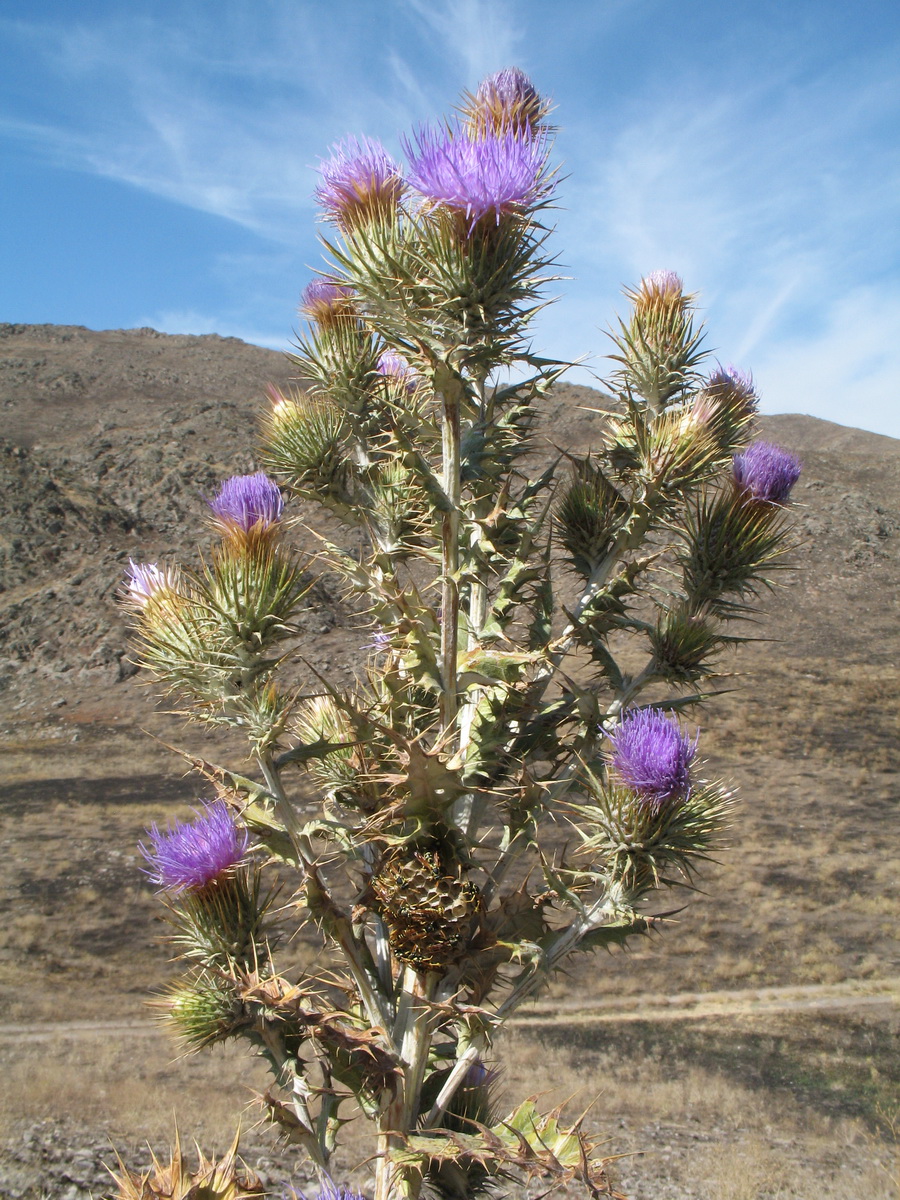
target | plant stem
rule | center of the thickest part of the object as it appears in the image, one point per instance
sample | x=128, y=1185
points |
x=364, y=973
x=450, y=481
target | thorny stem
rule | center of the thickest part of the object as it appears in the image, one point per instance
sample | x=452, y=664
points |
x=450, y=481
x=412, y=1033
x=365, y=976
x=563, y=943
x=470, y=1055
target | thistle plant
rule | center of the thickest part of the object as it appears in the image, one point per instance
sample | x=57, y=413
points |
x=515, y=775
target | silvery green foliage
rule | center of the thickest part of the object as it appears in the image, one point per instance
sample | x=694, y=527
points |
x=494, y=708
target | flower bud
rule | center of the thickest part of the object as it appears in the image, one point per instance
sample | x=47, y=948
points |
x=506, y=100
x=327, y=302
x=393, y=366
x=145, y=581
x=726, y=405
x=660, y=289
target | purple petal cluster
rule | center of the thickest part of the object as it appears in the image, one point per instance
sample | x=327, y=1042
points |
x=733, y=378
x=394, y=366
x=191, y=854
x=324, y=299
x=328, y=1190
x=247, y=500
x=652, y=755
x=766, y=472
x=495, y=173
x=145, y=580
x=510, y=87
x=359, y=178
x=380, y=641
x=662, y=284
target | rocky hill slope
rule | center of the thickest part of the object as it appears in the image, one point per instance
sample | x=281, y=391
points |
x=110, y=440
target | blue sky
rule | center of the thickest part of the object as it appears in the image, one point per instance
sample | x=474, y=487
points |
x=159, y=158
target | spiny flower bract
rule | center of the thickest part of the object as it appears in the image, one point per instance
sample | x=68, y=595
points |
x=247, y=500
x=766, y=472
x=495, y=173
x=652, y=755
x=360, y=179
x=659, y=290
x=190, y=854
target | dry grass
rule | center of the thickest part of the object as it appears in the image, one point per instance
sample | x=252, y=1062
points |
x=692, y=1118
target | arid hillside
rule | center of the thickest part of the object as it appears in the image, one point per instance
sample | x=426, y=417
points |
x=108, y=445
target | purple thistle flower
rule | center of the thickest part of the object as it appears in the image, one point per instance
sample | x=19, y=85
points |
x=662, y=285
x=380, y=641
x=145, y=580
x=191, y=854
x=394, y=366
x=511, y=87
x=766, y=472
x=360, y=179
x=325, y=300
x=497, y=172
x=652, y=755
x=328, y=1190
x=246, y=500
x=507, y=99
x=733, y=378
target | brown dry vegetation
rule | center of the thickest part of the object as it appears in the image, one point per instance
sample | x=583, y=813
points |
x=109, y=439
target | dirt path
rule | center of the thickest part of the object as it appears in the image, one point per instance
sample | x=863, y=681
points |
x=883, y=993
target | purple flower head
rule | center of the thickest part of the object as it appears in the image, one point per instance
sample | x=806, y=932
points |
x=380, y=641
x=507, y=99
x=328, y=1190
x=766, y=472
x=733, y=378
x=247, y=500
x=191, y=854
x=359, y=180
x=728, y=391
x=144, y=580
x=497, y=172
x=325, y=301
x=661, y=286
x=394, y=366
x=652, y=755
x=510, y=87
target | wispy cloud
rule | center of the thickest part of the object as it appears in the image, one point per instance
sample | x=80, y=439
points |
x=209, y=115
x=483, y=35
x=773, y=200
x=846, y=370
